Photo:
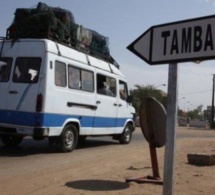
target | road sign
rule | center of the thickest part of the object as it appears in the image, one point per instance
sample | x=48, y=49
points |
x=182, y=41
x=153, y=121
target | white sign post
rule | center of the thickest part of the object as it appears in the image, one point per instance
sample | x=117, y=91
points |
x=189, y=40
x=170, y=129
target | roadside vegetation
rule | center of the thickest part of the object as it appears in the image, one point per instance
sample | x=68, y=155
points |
x=141, y=91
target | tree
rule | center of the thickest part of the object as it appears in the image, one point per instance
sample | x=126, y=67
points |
x=195, y=113
x=142, y=91
x=192, y=114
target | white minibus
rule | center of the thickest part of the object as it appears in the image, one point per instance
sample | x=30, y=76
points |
x=50, y=90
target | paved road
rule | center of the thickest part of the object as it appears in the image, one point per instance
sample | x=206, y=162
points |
x=31, y=147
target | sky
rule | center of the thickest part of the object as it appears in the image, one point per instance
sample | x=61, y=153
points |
x=122, y=21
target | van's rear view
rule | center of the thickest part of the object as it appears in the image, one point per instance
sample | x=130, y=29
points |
x=20, y=72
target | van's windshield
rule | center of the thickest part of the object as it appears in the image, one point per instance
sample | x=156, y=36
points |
x=5, y=67
x=26, y=70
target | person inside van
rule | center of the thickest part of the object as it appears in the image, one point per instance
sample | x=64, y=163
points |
x=122, y=94
x=24, y=76
x=101, y=89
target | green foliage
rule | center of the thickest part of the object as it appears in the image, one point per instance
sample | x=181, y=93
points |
x=195, y=113
x=142, y=91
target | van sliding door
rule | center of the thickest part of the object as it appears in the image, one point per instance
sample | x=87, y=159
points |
x=105, y=114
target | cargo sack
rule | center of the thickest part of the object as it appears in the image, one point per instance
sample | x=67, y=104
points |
x=99, y=45
x=42, y=22
x=34, y=26
x=84, y=38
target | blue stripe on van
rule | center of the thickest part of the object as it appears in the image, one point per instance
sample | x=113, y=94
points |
x=18, y=118
x=56, y=120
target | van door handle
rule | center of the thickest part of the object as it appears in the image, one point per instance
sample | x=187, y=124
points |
x=98, y=102
x=13, y=92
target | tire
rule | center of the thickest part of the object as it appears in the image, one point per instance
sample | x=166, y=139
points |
x=126, y=136
x=11, y=140
x=69, y=138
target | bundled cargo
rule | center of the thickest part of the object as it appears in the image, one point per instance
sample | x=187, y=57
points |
x=92, y=42
x=84, y=38
x=58, y=25
x=42, y=22
x=99, y=45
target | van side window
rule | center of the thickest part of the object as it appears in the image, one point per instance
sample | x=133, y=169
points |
x=87, y=80
x=26, y=70
x=60, y=74
x=74, y=78
x=123, y=90
x=80, y=79
x=106, y=85
x=5, y=67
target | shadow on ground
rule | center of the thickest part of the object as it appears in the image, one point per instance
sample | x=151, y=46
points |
x=97, y=185
x=32, y=147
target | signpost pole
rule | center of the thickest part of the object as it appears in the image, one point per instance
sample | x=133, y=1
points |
x=170, y=129
x=212, y=106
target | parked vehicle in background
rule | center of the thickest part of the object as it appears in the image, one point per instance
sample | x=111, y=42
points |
x=182, y=121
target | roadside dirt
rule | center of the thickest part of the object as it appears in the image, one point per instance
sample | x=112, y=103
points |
x=103, y=169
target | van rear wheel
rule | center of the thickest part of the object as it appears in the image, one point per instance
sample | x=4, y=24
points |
x=126, y=136
x=11, y=140
x=69, y=138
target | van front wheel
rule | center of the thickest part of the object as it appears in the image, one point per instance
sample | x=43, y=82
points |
x=126, y=136
x=69, y=138
x=11, y=140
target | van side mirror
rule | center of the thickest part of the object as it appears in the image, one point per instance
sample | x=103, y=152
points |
x=129, y=99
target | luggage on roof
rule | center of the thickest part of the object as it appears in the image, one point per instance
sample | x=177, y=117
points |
x=41, y=22
x=58, y=25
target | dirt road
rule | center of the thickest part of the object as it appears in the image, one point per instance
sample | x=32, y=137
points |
x=100, y=167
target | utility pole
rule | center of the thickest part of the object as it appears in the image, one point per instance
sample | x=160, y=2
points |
x=212, y=106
